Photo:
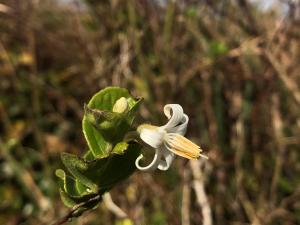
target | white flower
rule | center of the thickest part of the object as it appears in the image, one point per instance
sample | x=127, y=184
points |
x=168, y=140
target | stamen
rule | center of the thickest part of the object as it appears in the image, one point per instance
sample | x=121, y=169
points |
x=183, y=146
x=187, y=141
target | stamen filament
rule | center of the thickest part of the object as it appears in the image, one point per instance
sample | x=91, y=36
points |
x=183, y=146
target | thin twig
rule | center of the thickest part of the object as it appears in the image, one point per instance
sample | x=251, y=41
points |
x=111, y=206
x=282, y=74
x=186, y=195
x=70, y=214
x=4, y=8
x=277, y=126
x=200, y=192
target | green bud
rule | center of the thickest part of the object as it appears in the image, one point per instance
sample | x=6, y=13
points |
x=121, y=105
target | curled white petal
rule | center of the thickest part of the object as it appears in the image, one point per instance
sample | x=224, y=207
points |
x=168, y=159
x=168, y=140
x=152, y=166
x=175, y=118
x=151, y=137
x=181, y=128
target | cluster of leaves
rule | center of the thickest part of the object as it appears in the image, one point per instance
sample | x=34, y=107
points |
x=108, y=117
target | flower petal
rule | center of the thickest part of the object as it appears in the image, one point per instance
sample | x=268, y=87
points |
x=169, y=157
x=180, y=129
x=152, y=137
x=153, y=165
x=175, y=118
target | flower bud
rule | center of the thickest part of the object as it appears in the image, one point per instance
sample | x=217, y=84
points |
x=121, y=105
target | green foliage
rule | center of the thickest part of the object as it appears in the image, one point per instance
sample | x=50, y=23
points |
x=102, y=127
x=191, y=11
x=110, y=158
x=217, y=49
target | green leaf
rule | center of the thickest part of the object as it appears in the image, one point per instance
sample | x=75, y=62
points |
x=108, y=117
x=217, y=49
x=106, y=98
x=70, y=201
x=88, y=156
x=107, y=172
x=71, y=186
x=119, y=167
x=104, y=128
x=99, y=175
x=120, y=148
x=76, y=166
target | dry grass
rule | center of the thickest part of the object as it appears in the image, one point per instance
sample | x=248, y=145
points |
x=233, y=68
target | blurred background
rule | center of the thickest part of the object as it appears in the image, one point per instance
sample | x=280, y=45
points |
x=232, y=65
